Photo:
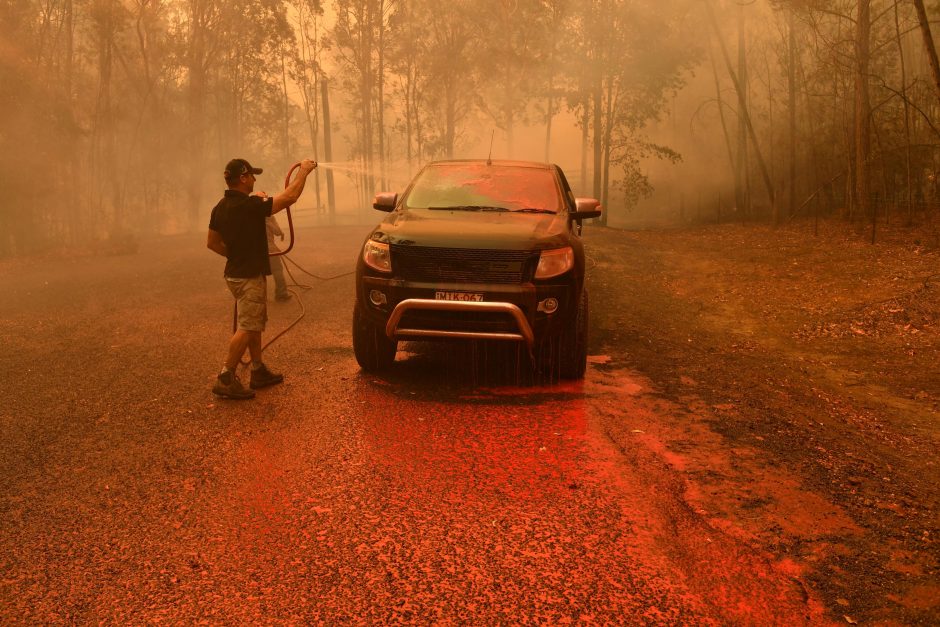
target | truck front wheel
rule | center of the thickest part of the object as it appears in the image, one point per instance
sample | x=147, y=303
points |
x=573, y=351
x=374, y=351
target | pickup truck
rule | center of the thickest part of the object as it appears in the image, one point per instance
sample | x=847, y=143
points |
x=477, y=250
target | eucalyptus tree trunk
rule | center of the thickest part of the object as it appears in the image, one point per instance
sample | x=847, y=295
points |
x=285, y=104
x=598, y=96
x=409, y=133
x=928, y=44
x=742, y=188
x=771, y=156
x=791, y=105
x=862, y=108
x=549, y=114
x=508, y=72
x=509, y=114
x=739, y=87
x=585, y=120
x=815, y=168
x=103, y=146
x=907, y=118
x=309, y=90
x=552, y=55
x=418, y=127
x=608, y=136
x=450, y=121
x=585, y=139
x=313, y=127
x=74, y=218
x=721, y=114
x=366, y=89
x=380, y=94
x=195, y=105
x=410, y=79
x=328, y=146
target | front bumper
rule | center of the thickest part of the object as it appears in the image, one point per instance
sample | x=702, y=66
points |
x=394, y=331
x=507, y=312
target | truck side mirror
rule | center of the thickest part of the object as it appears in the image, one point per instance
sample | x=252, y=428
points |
x=385, y=201
x=586, y=208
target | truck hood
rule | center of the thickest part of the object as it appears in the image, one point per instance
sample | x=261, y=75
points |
x=472, y=229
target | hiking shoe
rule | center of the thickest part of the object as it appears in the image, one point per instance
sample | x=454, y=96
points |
x=228, y=386
x=282, y=297
x=262, y=378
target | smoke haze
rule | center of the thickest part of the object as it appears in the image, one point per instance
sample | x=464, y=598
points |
x=116, y=116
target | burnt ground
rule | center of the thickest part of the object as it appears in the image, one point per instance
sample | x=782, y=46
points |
x=805, y=376
x=766, y=400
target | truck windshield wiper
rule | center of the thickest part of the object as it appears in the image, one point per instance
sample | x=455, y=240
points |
x=487, y=208
x=533, y=210
x=468, y=208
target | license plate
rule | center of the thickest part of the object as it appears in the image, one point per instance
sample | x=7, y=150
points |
x=459, y=296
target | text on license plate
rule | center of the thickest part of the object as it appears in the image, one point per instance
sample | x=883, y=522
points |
x=460, y=296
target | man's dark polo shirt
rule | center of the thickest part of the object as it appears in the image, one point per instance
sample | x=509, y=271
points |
x=239, y=218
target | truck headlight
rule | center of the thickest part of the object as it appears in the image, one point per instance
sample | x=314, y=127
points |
x=554, y=262
x=377, y=256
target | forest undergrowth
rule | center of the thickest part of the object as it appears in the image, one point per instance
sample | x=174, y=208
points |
x=810, y=349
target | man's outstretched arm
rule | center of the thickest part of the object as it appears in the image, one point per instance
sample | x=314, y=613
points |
x=292, y=193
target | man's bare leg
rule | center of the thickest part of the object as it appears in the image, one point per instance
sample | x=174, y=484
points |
x=254, y=346
x=241, y=340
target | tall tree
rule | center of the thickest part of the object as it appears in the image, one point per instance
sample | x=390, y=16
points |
x=354, y=37
x=307, y=70
x=512, y=47
x=744, y=113
x=791, y=116
x=742, y=182
x=452, y=78
x=204, y=21
x=633, y=58
x=553, y=49
x=862, y=107
x=929, y=45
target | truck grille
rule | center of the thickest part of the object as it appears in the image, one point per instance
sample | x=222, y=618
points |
x=463, y=265
x=488, y=322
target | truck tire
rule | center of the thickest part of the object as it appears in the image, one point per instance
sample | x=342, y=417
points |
x=573, y=353
x=374, y=351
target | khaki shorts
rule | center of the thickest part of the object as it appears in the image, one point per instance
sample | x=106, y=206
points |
x=252, y=298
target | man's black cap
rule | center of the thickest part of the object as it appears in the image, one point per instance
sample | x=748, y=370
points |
x=237, y=167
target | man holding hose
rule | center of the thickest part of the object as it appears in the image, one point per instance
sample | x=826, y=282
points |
x=237, y=232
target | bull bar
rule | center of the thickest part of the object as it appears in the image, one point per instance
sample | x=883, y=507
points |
x=525, y=333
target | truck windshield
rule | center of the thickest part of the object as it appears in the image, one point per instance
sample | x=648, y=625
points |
x=507, y=187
